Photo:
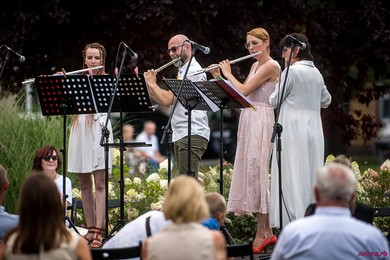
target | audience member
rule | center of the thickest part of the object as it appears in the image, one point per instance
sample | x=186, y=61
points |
x=138, y=230
x=186, y=206
x=7, y=221
x=151, y=154
x=41, y=232
x=359, y=210
x=217, y=209
x=48, y=161
x=129, y=154
x=331, y=233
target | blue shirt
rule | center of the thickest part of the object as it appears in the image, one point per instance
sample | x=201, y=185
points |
x=7, y=222
x=211, y=223
x=331, y=233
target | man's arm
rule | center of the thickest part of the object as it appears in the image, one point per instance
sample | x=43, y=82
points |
x=161, y=96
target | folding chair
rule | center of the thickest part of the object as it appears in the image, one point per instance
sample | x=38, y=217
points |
x=241, y=250
x=117, y=253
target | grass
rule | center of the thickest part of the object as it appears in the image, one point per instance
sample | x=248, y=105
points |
x=21, y=135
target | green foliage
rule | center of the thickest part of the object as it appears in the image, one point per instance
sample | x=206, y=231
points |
x=21, y=135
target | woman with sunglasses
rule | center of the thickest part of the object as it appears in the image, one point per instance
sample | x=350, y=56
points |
x=48, y=161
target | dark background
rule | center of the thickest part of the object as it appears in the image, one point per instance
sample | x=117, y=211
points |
x=349, y=39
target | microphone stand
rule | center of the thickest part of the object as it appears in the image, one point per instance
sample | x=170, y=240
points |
x=277, y=130
x=168, y=130
x=106, y=135
x=4, y=63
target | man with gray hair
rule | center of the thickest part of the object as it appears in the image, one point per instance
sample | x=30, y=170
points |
x=7, y=221
x=331, y=233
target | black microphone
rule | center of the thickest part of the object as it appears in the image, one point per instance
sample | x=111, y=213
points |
x=133, y=54
x=21, y=57
x=204, y=49
x=301, y=45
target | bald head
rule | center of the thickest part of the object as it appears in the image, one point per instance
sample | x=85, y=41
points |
x=335, y=184
x=178, y=47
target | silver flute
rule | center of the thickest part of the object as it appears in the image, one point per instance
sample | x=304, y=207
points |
x=67, y=73
x=230, y=62
x=167, y=64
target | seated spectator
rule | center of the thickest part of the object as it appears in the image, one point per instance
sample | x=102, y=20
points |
x=48, y=161
x=7, y=221
x=130, y=158
x=217, y=209
x=331, y=233
x=358, y=210
x=185, y=238
x=138, y=230
x=41, y=232
x=150, y=154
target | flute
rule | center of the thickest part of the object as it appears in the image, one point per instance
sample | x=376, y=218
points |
x=230, y=62
x=168, y=64
x=68, y=73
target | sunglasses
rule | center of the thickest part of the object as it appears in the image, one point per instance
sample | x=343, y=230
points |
x=174, y=48
x=53, y=157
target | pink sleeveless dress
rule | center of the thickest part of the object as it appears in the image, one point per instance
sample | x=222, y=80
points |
x=249, y=190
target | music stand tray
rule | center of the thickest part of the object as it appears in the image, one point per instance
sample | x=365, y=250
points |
x=190, y=95
x=73, y=91
x=132, y=94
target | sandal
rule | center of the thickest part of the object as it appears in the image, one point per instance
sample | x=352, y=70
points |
x=97, y=241
x=90, y=235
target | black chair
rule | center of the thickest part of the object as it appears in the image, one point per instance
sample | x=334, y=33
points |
x=117, y=253
x=241, y=250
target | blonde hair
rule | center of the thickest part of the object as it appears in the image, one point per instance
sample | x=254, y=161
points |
x=216, y=202
x=261, y=34
x=185, y=201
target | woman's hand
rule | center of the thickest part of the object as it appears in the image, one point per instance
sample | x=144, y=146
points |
x=225, y=67
x=216, y=72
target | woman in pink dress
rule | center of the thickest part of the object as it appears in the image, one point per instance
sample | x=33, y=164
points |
x=249, y=192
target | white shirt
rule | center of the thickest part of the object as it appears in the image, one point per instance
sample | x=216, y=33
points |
x=149, y=150
x=331, y=233
x=135, y=231
x=199, y=119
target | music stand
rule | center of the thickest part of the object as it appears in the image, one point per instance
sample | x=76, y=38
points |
x=65, y=95
x=225, y=96
x=131, y=95
x=191, y=98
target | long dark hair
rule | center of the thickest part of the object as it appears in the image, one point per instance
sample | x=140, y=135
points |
x=43, y=152
x=304, y=54
x=41, y=221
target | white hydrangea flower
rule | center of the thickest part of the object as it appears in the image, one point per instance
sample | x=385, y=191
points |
x=153, y=177
x=137, y=181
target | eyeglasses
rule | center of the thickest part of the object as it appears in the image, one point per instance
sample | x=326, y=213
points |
x=174, y=48
x=248, y=44
x=53, y=157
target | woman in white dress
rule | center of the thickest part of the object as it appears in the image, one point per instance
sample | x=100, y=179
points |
x=86, y=155
x=302, y=138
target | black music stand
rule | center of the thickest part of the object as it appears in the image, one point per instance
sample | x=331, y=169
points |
x=225, y=96
x=65, y=95
x=191, y=98
x=131, y=95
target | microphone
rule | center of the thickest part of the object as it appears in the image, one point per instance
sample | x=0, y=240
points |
x=21, y=57
x=133, y=54
x=204, y=49
x=301, y=45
